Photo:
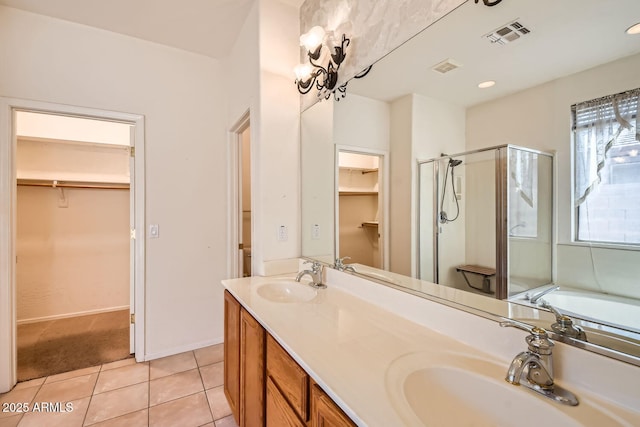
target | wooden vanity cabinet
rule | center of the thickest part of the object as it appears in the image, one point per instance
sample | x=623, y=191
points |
x=324, y=411
x=263, y=384
x=289, y=380
x=232, y=353
x=244, y=364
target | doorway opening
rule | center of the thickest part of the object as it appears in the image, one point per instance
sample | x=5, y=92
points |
x=241, y=216
x=362, y=208
x=72, y=180
x=72, y=243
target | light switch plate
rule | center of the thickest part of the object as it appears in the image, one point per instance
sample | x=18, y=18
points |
x=154, y=231
x=283, y=234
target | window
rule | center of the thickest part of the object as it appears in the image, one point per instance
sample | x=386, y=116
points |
x=607, y=169
x=523, y=193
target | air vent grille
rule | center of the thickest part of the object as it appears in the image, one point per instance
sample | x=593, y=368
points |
x=507, y=33
x=446, y=66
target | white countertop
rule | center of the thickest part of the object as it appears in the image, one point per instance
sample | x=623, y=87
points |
x=347, y=344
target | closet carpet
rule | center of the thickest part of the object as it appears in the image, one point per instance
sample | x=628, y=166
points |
x=62, y=345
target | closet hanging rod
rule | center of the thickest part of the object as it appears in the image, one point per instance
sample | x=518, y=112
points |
x=72, y=184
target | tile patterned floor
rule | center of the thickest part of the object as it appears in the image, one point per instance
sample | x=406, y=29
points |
x=182, y=390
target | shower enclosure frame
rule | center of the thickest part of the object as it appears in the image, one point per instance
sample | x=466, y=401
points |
x=502, y=172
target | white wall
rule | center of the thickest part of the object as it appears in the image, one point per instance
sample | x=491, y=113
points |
x=438, y=127
x=361, y=122
x=72, y=260
x=540, y=118
x=72, y=161
x=182, y=96
x=276, y=181
x=29, y=124
x=317, y=181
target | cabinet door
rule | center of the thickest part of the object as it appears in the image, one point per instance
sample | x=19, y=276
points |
x=279, y=413
x=324, y=412
x=232, y=353
x=252, y=371
x=289, y=377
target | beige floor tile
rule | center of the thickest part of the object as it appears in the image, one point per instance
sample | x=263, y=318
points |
x=134, y=419
x=121, y=377
x=174, y=386
x=218, y=403
x=68, y=417
x=115, y=403
x=185, y=412
x=226, y=422
x=72, y=374
x=11, y=421
x=30, y=383
x=67, y=390
x=17, y=396
x=208, y=355
x=212, y=375
x=119, y=364
x=172, y=365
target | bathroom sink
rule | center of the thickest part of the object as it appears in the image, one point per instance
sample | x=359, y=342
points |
x=454, y=389
x=287, y=291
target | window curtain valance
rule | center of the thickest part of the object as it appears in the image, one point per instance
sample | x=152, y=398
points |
x=600, y=124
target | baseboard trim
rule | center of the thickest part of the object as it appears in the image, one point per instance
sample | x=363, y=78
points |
x=182, y=349
x=67, y=315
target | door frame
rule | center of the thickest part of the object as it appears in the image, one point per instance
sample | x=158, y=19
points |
x=383, y=194
x=234, y=266
x=8, y=199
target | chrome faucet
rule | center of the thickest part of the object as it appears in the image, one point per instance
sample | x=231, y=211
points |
x=315, y=273
x=341, y=266
x=534, y=368
x=564, y=325
x=533, y=299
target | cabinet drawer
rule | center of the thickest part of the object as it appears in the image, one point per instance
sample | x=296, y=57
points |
x=289, y=377
x=279, y=413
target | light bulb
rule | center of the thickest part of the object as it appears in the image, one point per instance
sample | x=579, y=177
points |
x=634, y=29
x=312, y=39
x=303, y=72
x=487, y=84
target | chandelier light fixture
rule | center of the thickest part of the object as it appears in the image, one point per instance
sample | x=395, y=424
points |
x=326, y=53
x=489, y=3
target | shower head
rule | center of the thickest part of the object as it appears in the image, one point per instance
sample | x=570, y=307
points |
x=453, y=163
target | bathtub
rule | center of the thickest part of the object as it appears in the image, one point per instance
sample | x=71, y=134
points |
x=618, y=311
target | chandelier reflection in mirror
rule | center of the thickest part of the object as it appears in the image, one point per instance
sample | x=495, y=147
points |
x=325, y=55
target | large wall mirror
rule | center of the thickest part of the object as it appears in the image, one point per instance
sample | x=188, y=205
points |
x=523, y=213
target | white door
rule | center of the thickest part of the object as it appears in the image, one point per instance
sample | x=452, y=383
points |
x=132, y=241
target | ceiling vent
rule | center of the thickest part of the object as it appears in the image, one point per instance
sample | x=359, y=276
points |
x=446, y=66
x=507, y=33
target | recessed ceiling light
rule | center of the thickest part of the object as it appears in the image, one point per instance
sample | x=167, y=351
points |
x=486, y=84
x=634, y=29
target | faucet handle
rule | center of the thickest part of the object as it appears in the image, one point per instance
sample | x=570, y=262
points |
x=339, y=264
x=316, y=267
x=538, y=340
x=564, y=324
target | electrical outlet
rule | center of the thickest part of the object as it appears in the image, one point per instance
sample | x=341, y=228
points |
x=315, y=231
x=283, y=235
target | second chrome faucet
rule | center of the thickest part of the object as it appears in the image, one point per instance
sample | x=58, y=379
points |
x=534, y=368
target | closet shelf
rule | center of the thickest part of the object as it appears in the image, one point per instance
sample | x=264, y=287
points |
x=359, y=169
x=358, y=193
x=71, y=184
x=370, y=224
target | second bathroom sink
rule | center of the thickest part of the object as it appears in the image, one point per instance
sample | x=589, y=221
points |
x=454, y=389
